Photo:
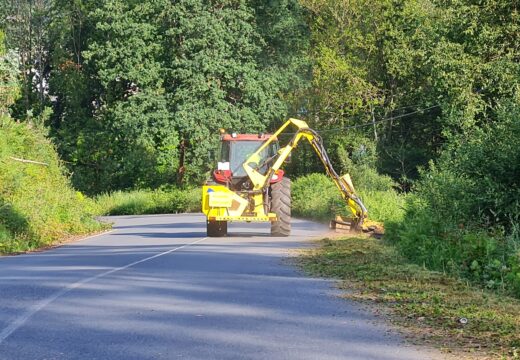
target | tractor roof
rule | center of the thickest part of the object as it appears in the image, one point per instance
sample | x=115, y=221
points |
x=246, y=137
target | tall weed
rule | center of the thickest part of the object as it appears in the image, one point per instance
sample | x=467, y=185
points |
x=464, y=217
x=160, y=201
x=37, y=203
x=315, y=196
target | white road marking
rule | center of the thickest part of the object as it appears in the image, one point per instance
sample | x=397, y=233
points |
x=21, y=320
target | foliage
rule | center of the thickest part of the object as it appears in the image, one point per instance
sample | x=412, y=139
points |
x=140, y=89
x=425, y=304
x=38, y=207
x=9, y=83
x=368, y=67
x=128, y=138
x=464, y=217
x=315, y=196
x=459, y=60
x=26, y=24
x=389, y=58
x=138, y=202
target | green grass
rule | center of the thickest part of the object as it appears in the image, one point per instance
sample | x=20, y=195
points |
x=487, y=256
x=138, y=202
x=316, y=197
x=38, y=206
x=427, y=305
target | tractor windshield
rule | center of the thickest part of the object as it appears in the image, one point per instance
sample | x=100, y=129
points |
x=237, y=152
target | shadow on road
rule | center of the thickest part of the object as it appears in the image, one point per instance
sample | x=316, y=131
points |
x=225, y=298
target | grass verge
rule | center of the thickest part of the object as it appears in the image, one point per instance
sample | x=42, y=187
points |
x=316, y=197
x=428, y=306
x=141, y=202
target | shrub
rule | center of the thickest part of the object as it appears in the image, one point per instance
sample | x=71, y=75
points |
x=383, y=206
x=37, y=204
x=488, y=257
x=315, y=196
x=160, y=201
x=367, y=178
x=464, y=216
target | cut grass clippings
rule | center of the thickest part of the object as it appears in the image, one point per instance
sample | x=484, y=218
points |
x=429, y=306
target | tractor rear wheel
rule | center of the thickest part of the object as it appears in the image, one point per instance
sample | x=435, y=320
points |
x=281, y=206
x=216, y=228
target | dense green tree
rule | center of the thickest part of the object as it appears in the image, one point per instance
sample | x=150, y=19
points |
x=135, y=134
x=283, y=26
x=9, y=76
x=26, y=24
x=389, y=58
x=219, y=75
x=140, y=89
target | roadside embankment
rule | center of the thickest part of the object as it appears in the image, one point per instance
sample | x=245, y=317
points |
x=467, y=307
x=38, y=206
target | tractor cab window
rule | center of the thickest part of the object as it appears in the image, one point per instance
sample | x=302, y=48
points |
x=224, y=152
x=237, y=152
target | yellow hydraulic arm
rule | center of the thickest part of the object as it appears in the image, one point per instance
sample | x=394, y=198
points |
x=261, y=181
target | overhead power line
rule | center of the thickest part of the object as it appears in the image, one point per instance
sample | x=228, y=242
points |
x=372, y=123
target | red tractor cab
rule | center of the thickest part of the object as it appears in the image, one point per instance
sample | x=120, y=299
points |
x=235, y=150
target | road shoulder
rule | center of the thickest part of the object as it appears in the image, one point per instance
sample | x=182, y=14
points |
x=428, y=308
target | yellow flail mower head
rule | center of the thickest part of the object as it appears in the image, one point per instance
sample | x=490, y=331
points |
x=354, y=221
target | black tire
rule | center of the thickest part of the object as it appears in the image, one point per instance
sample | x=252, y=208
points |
x=216, y=228
x=281, y=206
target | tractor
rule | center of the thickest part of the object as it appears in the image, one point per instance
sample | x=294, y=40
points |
x=249, y=185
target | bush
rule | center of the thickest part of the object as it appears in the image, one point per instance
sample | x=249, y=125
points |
x=137, y=202
x=488, y=257
x=37, y=204
x=464, y=216
x=383, y=206
x=366, y=178
x=315, y=196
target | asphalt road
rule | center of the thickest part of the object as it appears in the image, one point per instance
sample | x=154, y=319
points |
x=156, y=288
